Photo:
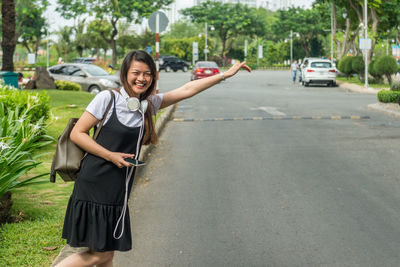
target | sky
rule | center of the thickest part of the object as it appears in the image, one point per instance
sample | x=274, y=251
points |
x=56, y=21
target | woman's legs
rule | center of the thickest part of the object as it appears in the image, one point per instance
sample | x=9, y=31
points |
x=88, y=258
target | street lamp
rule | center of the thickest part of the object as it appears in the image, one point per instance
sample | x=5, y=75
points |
x=291, y=44
x=206, y=46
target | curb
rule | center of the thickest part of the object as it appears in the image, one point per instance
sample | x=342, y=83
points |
x=160, y=125
x=357, y=88
x=391, y=109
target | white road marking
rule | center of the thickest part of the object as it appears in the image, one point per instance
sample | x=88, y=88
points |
x=270, y=110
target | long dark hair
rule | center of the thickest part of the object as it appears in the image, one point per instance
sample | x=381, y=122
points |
x=150, y=136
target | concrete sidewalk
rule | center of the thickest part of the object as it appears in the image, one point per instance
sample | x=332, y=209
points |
x=390, y=109
x=161, y=122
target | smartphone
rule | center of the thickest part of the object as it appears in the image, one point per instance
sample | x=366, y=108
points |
x=135, y=162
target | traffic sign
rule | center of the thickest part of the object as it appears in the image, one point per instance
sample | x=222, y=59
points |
x=365, y=43
x=163, y=21
x=148, y=49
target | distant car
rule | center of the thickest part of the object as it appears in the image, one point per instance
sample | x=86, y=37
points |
x=87, y=60
x=204, y=69
x=92, y=78
x=169, y=63
x=302, y=65
x=319, y=71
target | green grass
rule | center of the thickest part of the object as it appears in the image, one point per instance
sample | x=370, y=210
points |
x=355, y=80
x=42, y=207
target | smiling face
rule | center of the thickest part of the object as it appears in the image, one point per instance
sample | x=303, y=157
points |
x=139, y=77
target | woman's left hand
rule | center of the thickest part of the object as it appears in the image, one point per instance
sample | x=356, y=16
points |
x=235, y=68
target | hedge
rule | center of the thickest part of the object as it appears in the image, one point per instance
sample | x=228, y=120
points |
x=388, y=96
x=66, y=85
x=345, y=65
x=386, y=65
x=37, y=102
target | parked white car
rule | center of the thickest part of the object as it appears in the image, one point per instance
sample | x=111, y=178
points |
x=319, y=71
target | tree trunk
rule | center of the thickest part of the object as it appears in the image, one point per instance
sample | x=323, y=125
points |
x=375, y=22
x=8, y=41
x=5, y=207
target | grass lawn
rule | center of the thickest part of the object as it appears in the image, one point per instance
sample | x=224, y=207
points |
x=36, y=240
x=355, y=80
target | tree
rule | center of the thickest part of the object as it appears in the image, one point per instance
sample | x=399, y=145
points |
x=308, y=24
x=9, y=40
x=110, y=11
x=64, y=44
x=229, y=20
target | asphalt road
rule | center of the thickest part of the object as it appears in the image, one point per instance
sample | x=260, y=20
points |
x=284, y=191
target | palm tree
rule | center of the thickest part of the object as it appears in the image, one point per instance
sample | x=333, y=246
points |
x=9, y=40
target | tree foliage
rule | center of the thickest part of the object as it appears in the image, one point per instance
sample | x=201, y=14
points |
x=229, y=21
x=110, y=12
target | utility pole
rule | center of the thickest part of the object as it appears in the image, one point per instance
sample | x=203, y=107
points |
x=366, y=50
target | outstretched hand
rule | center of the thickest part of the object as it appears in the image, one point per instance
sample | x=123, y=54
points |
x=235, y=68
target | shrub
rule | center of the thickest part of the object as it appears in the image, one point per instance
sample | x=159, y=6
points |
x=372, y=71
x=388, y=96
x=19, y=138
x=358, y=66
x=345, y=66
x=37, y=103
x=386, y=65
x=69, y=86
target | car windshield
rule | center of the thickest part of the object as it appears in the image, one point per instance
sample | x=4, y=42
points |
x=321, y=65
x=207, y=65
x=95, y=70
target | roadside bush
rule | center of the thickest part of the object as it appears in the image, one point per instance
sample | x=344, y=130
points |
x=36, y=103
x=345, y=66
x=68, y=86
x=388, y=96
x=372, y=71
x=358, y=66
x=386, y=65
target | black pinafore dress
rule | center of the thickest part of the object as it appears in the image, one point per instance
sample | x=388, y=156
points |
x=97, y=200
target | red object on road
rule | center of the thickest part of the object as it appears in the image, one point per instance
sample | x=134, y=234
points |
x=204, y=69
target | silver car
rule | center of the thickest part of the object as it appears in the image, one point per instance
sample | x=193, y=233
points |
x=92, y=78
x=319, y=71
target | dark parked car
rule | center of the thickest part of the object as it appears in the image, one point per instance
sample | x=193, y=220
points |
x=92, y=78
x=169, y=63
x=204, y=69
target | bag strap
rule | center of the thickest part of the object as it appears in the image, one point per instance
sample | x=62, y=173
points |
x=104, y=116
x=96, y=133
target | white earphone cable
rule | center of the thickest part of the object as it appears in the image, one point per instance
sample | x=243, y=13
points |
x=128, y=176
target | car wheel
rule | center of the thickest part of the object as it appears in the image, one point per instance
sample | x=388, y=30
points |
x=167, y=69
x=185, y=69
x=306, y=84
x=94, y=89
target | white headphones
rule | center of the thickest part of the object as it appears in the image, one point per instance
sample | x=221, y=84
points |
x=133, y=104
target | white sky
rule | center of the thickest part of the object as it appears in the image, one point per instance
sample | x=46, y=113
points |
x=56, y=21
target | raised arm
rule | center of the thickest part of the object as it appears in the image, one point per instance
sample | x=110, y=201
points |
x=194, y=87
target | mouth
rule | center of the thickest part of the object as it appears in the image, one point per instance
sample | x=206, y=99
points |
x=140, y=85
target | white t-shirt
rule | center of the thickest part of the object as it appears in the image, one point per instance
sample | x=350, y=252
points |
x=98, y=106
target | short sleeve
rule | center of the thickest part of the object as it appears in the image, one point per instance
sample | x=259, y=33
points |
x=98, y=105
x=156, y=100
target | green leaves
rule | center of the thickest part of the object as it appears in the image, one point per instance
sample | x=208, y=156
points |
x=19, y=138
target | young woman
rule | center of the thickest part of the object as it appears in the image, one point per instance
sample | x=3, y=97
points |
x=97, y=215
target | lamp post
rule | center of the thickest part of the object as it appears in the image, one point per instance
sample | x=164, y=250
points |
x=291, y=46
x=332, y=31
x=206, y=46
x=366, y=51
